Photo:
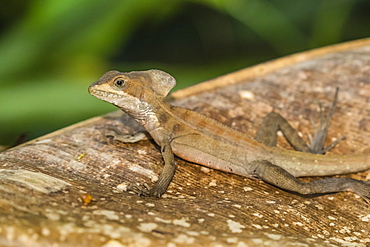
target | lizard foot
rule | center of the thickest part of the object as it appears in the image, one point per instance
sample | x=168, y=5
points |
x=321, y=130
x=362, y=189
x=114, y=135
x=144, y=190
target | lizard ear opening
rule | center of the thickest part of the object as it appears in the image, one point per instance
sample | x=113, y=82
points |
x=162, y=82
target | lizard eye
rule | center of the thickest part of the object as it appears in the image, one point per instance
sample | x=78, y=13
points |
x=119, y=82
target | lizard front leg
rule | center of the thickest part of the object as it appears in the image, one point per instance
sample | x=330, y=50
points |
x=165, y=177
x=281, y=178
x=169, y=168
x=167, y=173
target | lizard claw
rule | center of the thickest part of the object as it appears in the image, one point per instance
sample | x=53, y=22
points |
x=144, y=190
x=321, y=131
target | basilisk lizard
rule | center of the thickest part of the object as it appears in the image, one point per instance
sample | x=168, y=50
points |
x=207, y=142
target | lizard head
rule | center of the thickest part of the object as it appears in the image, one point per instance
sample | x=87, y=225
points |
x=133, y=92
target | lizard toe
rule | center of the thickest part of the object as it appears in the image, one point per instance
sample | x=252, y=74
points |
x=362, y=189
x=144, y=190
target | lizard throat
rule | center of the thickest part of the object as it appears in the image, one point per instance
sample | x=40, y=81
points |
x=137, y=109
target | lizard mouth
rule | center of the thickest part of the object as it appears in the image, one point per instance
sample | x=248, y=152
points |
x=102, y=94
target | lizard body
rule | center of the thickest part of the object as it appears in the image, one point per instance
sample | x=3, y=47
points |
x=205, y=141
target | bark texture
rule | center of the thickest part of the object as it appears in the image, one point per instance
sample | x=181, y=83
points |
x=68, y=188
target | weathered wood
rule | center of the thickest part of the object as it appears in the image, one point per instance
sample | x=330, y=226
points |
x=45, y=183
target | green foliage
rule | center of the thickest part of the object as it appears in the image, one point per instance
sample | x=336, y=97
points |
x=55, y=49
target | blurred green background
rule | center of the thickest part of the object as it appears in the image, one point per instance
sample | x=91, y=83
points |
x=52, y=50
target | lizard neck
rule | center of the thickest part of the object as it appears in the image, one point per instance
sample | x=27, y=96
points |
x=154, y=114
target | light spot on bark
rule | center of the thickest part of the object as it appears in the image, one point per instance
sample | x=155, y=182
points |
x=234, y=226
x=213, y=183
x=111, y=215
x=345, y=229
x=147, y=227
x=247, y=189
x=273, y=236
x=257, y=226
x=184, y=239
x=122, y=187
x=113, y=243
x=52, y=216
x=205, y=169
x=366, y=218
x=33, y=180
x=43, y=141
x=45, y=231
x=181, y=222
x=298, y=223
x=232, y=240
x=162, y=220
x=192, y=233
x=258, y=215
x=246, y=94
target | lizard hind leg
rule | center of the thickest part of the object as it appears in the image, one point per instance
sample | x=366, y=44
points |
x=281, y=178
x=273, y=122
x=317, y=142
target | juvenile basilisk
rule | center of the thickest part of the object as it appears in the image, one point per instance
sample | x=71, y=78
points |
x=205, y=141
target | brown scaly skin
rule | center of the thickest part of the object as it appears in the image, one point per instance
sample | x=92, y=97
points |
x=205, y=141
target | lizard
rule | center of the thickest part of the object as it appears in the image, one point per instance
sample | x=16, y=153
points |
x=202, y=140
